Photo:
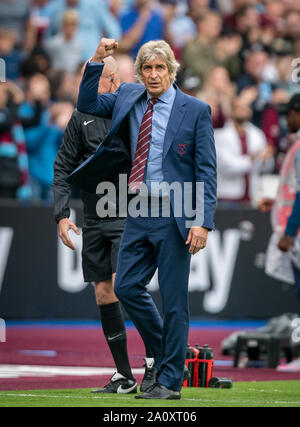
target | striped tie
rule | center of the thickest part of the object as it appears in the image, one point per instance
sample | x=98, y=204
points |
x=142, y=149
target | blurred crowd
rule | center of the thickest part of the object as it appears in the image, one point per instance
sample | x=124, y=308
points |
x=240, y=56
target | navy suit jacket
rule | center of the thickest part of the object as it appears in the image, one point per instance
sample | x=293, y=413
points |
x=189, y=154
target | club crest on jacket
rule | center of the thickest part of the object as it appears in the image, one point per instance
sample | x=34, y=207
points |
x=181, y=149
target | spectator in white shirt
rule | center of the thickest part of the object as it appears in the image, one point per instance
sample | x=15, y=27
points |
x=243, y=154
x=95, y=21
x=65, y=48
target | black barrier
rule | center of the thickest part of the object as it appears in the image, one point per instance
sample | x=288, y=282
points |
x=40, y=278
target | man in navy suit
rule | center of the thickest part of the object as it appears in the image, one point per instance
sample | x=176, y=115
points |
x=171, y=144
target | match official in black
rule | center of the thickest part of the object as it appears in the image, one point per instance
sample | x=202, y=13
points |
x=101, y=236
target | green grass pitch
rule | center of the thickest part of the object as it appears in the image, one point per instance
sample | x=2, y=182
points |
x=243, y=394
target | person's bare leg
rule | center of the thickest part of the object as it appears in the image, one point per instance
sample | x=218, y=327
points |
x=104, y=292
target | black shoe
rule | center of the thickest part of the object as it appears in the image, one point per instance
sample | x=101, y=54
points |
x=149, y=376
x=119, y=384
x=159, y=391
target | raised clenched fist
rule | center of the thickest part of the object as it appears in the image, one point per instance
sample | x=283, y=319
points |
x=106, y=47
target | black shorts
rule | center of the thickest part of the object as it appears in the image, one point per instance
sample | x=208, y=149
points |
x=101, y=242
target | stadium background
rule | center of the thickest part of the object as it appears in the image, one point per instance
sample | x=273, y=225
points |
x=248, y=50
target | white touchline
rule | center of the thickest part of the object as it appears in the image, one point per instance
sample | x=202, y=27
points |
x=46, y=396
x=18, y=371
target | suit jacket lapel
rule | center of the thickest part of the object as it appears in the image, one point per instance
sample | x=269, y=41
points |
x=121, y=112
x=123, y=108
x=175, y=120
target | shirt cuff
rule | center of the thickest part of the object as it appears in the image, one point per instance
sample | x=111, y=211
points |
x=293, y=224
x=90, y=62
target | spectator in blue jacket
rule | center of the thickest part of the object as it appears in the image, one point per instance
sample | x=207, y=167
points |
x=13, y=155
x=140, y=24
x=43, y=139
x=8, y=52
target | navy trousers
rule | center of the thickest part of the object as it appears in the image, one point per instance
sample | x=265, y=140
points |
x=148, y=244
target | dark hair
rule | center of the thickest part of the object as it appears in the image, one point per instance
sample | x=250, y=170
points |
x=31, y=65
x=243, y=10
